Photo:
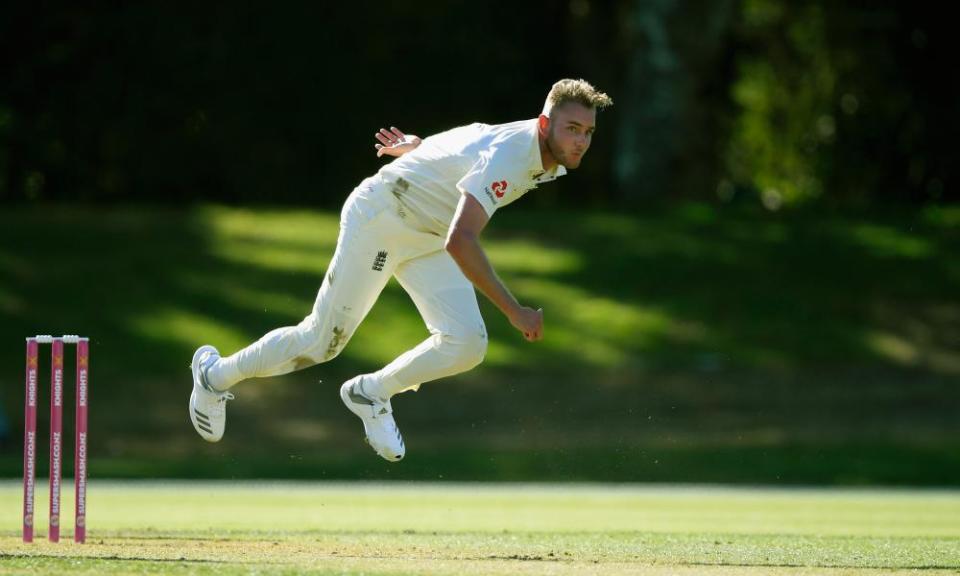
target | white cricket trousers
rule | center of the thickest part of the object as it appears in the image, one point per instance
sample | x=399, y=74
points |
x=376, y=241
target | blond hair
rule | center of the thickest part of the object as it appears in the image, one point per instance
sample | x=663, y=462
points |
x=579, y=91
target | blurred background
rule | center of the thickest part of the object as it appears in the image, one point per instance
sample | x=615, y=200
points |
x=752, y=278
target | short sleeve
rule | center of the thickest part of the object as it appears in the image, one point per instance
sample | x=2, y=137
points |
x=489, y=179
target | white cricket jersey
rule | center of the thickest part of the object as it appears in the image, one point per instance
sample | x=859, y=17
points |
x=496, y=164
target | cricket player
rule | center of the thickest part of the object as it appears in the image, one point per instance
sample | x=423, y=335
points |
x=418, y=219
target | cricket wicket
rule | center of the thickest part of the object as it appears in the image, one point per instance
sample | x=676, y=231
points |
x=56, y=434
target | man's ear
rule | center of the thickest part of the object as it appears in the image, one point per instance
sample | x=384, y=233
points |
x=543, y=124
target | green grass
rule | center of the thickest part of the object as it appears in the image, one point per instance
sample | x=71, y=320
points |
x=399, y=528
x=690, y=343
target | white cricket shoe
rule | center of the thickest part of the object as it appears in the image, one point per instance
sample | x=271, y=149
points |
x=208, y=408
x=377, y=416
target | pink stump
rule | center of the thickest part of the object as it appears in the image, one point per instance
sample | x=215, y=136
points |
x=56, y=436
x=80, y=452
x=29, y=439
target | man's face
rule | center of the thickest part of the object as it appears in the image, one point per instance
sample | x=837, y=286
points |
x=571, y=130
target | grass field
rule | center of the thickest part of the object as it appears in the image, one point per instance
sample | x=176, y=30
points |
x=415, y=528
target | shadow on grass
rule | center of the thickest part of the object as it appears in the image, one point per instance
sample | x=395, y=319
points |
x=688, y=329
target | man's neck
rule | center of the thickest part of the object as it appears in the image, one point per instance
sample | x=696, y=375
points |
x=546, y=156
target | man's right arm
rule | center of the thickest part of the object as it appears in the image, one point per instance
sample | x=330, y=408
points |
x=463, y=244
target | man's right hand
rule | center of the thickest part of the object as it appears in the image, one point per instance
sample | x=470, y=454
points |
x=529, y=322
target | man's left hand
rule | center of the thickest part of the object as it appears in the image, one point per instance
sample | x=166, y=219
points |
x=393, y=142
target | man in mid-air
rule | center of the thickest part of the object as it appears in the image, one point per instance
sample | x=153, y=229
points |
x=418, y=219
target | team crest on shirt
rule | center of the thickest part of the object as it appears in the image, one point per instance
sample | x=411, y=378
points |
x=499, y=188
